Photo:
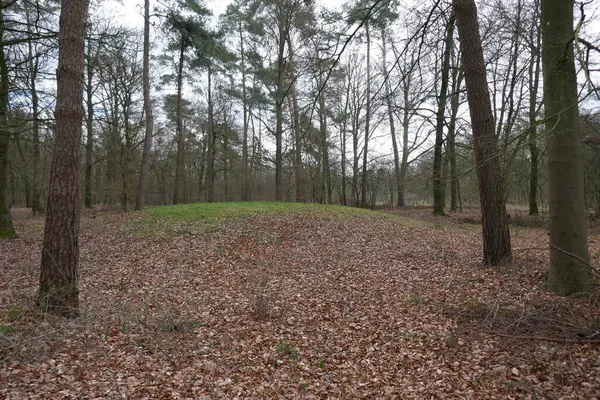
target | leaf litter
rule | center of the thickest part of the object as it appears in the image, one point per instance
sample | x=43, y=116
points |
x=296, y=306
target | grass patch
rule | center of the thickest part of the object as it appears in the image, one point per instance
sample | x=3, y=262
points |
x=198, y=218
x=6, y=330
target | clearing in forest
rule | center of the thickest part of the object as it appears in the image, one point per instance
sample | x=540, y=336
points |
x=273, y=300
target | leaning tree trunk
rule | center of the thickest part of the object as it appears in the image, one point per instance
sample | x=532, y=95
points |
x=438, y=182
x=58, y=291
x=496, y=236
x=140, y=200
x=568, y=272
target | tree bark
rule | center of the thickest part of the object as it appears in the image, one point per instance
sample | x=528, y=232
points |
x=496, y=236
x=438, y=189
x=140, y=200
x=568, y=272
x=58, y=291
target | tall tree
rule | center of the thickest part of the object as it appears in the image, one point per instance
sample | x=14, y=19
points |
x=58, y=291
x=6, y=225
x=568, y=272
x=140, y=200
x=496, y=236
x=438, y=184
x=535, y=42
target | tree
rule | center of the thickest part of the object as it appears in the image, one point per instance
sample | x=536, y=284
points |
x=496, y=236
x=140, y=200
x=6, y=225
x=568, y=272
x=187, y=24
x=438, y=192
x=58, y=290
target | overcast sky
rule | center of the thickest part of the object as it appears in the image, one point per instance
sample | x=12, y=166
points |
x=130, y=11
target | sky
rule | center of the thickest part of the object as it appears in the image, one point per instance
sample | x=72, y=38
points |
x=130, y=11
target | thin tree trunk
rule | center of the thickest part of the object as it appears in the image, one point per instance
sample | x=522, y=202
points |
x=363, y=192
x=568, y=272
x=535, y=39
x=405, y=149
x=295, y=110
x=211, y=145
x=245, y=166
x=326, y=175
x=58, y=291
x=36, y=205
x=496, y=236
x=388, y=97
x=279, y=94
x=454, y=105
x=89, y=125
x=180, y=160
x=438, y=189
x=140, y=200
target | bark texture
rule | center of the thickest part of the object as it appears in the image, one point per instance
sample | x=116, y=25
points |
x=496, y=236
x=568, y=272
x=58, y=291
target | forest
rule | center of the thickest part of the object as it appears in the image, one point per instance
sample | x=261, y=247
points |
x=299, y=199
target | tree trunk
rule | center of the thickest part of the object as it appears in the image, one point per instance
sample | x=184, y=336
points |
x=279, y=99
x=388, y=96
x=89, y=127
x=405, y=149
x=180, y=160
x=535, y=39
x=454, y=105
x=36, y=205
x=438, y=189
x=211, y=145
x=326, y=176
x=363, y=191
x=6, y=225
x=496, y=236
x=245, y=166
x=295, y=109
x=140, y=200
x=568, y=272
x=58, y=291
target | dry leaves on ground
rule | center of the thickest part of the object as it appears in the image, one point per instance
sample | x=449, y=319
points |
x=296, y=306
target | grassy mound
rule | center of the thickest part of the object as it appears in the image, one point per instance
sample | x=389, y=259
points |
x=199, y=218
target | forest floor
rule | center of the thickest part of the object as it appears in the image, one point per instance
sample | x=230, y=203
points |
x=295, y=301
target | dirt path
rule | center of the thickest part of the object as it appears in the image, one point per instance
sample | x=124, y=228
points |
x=294, y=307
